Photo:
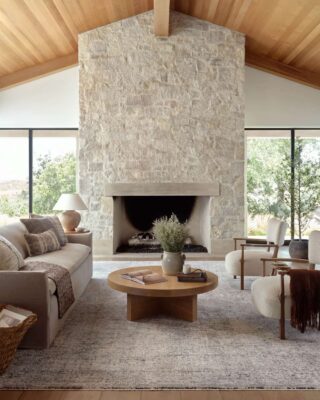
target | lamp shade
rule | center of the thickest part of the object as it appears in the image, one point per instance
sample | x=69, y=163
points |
x=70, y=201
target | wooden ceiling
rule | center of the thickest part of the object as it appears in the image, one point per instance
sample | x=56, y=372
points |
x=38, y=37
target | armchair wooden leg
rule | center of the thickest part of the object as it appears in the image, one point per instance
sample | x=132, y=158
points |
x=282, y=329
x=242, y=270
x=282, y=311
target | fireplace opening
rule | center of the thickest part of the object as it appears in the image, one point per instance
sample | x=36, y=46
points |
x=142, y=211
x=133, y=218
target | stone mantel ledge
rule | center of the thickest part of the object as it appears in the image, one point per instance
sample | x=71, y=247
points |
x=162, y=189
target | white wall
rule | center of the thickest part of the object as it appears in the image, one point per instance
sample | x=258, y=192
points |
x=272, y=101
x=48, y=102
x=53, y=102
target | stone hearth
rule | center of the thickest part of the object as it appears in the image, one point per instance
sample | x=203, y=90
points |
x=162, y=111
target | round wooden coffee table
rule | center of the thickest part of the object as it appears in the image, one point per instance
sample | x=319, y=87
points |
x=173, y=298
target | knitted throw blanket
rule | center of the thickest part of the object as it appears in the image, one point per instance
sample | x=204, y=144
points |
x=305, y=296
x=61, y=277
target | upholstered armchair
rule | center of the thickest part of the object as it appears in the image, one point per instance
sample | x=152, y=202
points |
x=247, y=262
x=271, y=295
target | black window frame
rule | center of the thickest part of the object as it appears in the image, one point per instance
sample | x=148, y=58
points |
x=30, y=155
x=292, y=131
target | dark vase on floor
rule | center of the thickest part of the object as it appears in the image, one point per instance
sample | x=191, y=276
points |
x=299, y=248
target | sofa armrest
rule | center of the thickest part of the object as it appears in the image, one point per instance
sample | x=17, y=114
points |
x=81, y=238
x=29, y=290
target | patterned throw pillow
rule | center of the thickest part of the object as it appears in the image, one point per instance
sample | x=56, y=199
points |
x=10, y=257
x=39, y=224
x=42, y=243
x=59, y=230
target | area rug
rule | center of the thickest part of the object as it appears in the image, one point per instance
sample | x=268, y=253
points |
x=229, y=346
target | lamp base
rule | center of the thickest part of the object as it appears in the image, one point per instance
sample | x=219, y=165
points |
x=70, y=219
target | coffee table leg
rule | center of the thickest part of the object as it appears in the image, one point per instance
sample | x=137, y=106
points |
x=184, y=308
x=139, y=307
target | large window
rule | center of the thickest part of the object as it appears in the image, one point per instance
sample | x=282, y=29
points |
x=14, y=175
x=36, y=166
x=283, y=179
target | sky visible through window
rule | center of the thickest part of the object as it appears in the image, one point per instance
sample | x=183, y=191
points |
x=13, y=158
x=14, y=154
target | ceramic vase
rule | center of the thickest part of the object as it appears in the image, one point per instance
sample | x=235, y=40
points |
x=299, y=249
x=172, y=263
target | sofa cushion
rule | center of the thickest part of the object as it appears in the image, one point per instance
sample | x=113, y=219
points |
x=10, y=257
x=253, y=265
x=57, y=227
x=41, y=243
x=39, y=225
x=52, y=286
x=266, y=296
x=71, y=256
x=15, y=234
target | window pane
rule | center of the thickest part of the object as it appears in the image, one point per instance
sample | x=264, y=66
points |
x=54, y=168
x=14, y=171
x=307, y=182
x=268, y=179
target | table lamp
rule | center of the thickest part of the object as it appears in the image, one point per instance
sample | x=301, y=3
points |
x=70, y=202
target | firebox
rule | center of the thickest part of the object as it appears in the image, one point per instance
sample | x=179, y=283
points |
x=134, y=216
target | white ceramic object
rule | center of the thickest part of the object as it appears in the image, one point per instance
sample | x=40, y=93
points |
x=186, y=269
x=172, y=263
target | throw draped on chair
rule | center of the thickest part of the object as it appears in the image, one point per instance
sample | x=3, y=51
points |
x=272, y=295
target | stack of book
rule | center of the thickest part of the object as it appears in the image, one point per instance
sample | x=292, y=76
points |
x=194, y=276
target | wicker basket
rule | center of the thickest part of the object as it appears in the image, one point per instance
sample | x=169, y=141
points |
x=10, y=339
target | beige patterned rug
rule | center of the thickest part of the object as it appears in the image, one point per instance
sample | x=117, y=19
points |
x=230, y=346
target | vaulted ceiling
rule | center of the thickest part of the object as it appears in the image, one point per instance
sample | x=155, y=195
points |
x=38, y=37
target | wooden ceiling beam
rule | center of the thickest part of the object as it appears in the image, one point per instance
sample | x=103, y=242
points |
x=161, y=17
x=38, y=71
x=280, y=69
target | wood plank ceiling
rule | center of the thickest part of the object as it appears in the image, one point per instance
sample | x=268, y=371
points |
x=40, y=36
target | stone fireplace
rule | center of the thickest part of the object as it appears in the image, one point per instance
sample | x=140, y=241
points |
x=162, y=118
x=136, y=206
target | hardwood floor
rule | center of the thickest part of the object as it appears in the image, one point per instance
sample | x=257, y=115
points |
x=160, y=395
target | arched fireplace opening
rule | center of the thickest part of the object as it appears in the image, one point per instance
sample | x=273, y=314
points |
x=142, y=211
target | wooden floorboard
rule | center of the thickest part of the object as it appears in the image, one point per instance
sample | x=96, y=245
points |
x=201, y=395
x=160, y=395
x=42, y=395
x=291, y=395
x=81, y=395
x=8, y=395
x=120, y=395
x=241, y=395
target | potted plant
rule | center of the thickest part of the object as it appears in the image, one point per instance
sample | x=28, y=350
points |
x=172, y=235
x=306, y=196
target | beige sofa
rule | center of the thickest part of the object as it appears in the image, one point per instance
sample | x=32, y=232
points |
x=34, y=291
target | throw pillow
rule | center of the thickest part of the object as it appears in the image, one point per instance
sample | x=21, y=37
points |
x=39, y=224
x=10, y=257
x=42, y=243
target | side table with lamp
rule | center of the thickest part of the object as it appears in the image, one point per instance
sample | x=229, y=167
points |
x=70, y=218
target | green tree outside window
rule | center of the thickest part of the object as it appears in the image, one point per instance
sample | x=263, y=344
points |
x=52, y=177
